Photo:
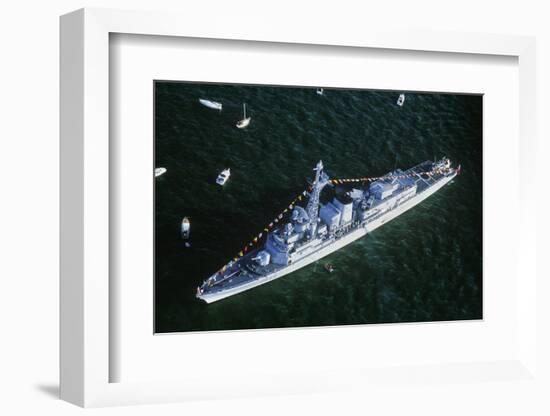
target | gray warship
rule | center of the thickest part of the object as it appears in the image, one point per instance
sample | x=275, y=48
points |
x=316, y=230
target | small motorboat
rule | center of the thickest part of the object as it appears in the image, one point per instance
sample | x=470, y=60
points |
x=241, y=124
x=211, y=104
x=185, y=228
x=320, y=91
x=401, y=100
x=159, y=171
x=223, y=177
x=329, y=267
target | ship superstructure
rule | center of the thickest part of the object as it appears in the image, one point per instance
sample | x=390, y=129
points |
x=318, y=229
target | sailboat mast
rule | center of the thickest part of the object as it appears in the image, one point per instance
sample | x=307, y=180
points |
x=244, y=110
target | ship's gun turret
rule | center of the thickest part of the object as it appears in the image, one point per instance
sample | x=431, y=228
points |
x=262, y=258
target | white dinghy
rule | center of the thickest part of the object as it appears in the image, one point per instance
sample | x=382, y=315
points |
x=159, y=171
x=185, y=228
x=211, y=104
x=241, y=124
x=401, y=100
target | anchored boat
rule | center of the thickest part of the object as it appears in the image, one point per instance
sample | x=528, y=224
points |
x=241, y=124
x=301, y=235
x=223, y=177
x=185, y=228
x=211, y=104
x=159, y=171
x=401, y=100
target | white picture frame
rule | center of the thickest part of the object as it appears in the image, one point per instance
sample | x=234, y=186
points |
x=85, y=165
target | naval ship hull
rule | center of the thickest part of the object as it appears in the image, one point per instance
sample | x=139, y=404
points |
x=332, y=245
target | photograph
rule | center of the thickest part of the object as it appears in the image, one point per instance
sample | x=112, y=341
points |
x=290, y=206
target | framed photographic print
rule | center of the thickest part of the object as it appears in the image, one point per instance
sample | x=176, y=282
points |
x=261, y=206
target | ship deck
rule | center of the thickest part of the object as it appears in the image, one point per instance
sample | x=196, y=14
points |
x=424, y=181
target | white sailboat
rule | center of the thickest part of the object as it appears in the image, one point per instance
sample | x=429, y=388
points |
x=211, y=104
x=241, y=124
x=401, y=100
x=159, y=171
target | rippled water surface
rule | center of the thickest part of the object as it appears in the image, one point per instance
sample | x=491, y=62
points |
x=425, y=265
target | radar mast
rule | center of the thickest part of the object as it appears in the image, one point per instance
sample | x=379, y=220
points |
x=312, y=208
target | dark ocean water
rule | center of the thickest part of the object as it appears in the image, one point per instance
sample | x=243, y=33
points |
x=425, y=265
